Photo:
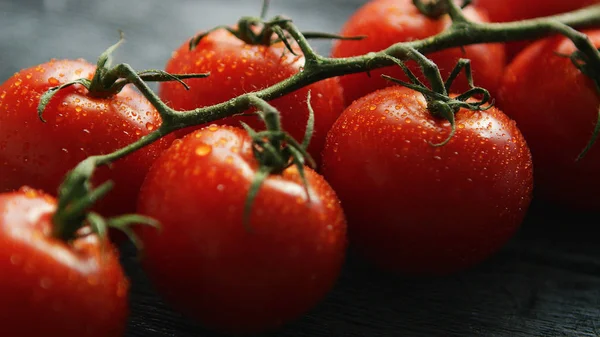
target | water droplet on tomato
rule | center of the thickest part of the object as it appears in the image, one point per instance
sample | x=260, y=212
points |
x=213, y=128
x=28, y=76
x=407, y=120
x=78, y=108
x=220, y=187
x=53, y=81
x=16, y=259
x=203, y=150
x=220, y=67
x=64, y=150
x=45, y=283
x=150, y=126
x=3, y=95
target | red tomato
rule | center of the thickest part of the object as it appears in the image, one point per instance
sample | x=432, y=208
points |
x=237, y=68
x=78, y=125
x=386, y=22
x=51, y=288
x=419, y=209
x=556, y=107
x=231, y=279
x=514, y=10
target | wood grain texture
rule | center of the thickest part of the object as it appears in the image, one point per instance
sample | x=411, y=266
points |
x=545, y=283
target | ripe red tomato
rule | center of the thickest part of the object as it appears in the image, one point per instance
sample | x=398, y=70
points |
x=52, y=288
x=227, y=277
x=419, y=209
x=385, y=22
x=237, y=68
x=78, y=125
x=514, y=10
x=556, y=110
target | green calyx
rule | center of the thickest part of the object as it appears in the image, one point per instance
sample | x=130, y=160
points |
x=76, y=196
x=107, y=81
x=258, y=31
x=439, y=103
x=275, y=150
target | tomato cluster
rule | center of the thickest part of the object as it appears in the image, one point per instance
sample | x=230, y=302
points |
x=386, y=181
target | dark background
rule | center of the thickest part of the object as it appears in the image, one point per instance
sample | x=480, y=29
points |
x=545, y=283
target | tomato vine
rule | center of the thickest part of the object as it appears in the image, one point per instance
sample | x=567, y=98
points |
x=462, y=32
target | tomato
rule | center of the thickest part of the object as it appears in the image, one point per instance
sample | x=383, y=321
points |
x=78, y=125
x=556, y=110
x=52, y=288
x=419, y=209
x=514, y=10
x=386, y=22
x=205, y=261
x=237, y=68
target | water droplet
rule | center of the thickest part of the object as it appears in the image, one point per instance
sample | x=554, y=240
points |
x=45, y=283
x=3, y=95
x=203, y=150
x=16, y=259
x=53, y=81
x=213, y=128
x=64, y=150
x=150, y=126
x=78, y=108
x=220, y=187
x=437, y=157
x=28, y=76
x=373, y=107
x=407, y=120
x=220, y=67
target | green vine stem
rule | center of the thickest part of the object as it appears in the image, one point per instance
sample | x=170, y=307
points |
x=316, y=68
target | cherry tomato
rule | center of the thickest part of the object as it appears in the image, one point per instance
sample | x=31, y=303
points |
x=514, y=10
x=419, y=209
x=556, y=110
x=50, y=287
x=385, y=22
x=237, y=68
x=78, y=125
x=230, y=278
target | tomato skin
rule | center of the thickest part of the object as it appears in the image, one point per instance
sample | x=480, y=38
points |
x=237, y=68
x=230, y=279
x=386, y=22
x=418, y=209
x=514, y=10
x=556, y=111
x=40, y=154
x=54, y=289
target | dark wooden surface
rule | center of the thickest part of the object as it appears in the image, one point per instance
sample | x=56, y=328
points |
x=545, y=283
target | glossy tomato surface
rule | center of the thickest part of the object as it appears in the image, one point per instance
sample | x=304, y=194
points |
x=556, y=108
x=51, y=288
x=386, y=22
x=514, y=10
x=419, y=209
x=237, y=68
x=208, y=264
x=77, y=125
